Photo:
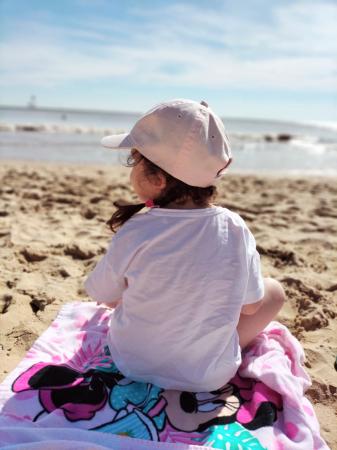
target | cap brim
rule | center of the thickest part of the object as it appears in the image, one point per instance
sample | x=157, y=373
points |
x=118, y=141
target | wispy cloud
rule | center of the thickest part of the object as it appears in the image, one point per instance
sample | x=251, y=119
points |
x=182, y=45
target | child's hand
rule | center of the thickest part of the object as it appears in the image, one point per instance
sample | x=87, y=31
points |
x=107, y=305
x=111, y=305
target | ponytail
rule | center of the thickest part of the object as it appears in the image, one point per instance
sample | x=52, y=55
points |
x=124, y=212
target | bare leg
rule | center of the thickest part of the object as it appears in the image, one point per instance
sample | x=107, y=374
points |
x=250, y=326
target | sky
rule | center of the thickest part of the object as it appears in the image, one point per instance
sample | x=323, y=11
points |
x=250, y=59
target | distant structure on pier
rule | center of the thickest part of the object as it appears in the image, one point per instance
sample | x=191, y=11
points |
x=32, y=102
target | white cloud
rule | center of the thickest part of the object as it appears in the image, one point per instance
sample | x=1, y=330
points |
x=182, y=45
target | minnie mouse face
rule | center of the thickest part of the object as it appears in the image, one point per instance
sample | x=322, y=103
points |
x=250, y=403
x=79, y=395
x=189, y=411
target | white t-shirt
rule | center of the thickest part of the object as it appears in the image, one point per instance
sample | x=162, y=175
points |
x=183, y=276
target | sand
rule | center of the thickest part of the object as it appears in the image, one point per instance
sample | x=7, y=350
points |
x=52, y=231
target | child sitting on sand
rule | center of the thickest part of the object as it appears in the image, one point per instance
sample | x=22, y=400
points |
x=184, y=277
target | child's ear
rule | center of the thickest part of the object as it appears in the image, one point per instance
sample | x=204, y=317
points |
x=159, y=181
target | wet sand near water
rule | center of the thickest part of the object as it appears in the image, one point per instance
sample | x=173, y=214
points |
x=52, y=232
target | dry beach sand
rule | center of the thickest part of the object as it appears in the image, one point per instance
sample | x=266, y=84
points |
x=52, y=231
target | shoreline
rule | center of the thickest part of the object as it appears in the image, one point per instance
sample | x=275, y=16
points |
x=53, y=231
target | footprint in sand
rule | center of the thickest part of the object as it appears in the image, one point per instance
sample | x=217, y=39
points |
x=6, y=300
x=320, y=392
x=32, y=255
x=325, y=211
x=313, y=322
x=88, y=213
x=280, y=257
x=79, y=251
x=312, y=313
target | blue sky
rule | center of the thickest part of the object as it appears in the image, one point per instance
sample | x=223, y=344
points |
x=262, y=58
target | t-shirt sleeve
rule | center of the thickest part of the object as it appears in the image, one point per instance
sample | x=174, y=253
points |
x=104, y=284
x=255, y=285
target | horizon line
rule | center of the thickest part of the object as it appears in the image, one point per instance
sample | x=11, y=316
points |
x=134, y=113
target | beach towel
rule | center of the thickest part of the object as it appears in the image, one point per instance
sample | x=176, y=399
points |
x=68, y=393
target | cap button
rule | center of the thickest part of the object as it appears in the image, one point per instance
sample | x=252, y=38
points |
x=204, y=103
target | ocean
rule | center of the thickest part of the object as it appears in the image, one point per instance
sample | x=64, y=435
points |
x=73, y=136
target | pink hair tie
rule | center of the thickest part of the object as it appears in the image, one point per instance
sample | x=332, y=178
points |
x=149, y=203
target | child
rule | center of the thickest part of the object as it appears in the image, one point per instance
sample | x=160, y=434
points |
x=184, y=277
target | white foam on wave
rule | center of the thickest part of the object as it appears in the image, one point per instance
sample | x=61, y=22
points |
x=84, y=129
x=56, y=128
x=261, y=137
x=246, y=137
x=310, y=145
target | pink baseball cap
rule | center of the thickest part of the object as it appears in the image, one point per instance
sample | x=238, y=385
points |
x=183, y=137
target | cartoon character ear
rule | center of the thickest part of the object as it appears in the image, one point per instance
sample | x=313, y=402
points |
x=77, y=402
x=265, y=415
x=42, y=375
x=54, y=376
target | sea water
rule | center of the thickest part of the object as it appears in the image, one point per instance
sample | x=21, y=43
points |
x=73, y=136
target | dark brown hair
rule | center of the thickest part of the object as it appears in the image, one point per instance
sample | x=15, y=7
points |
x=175, y=190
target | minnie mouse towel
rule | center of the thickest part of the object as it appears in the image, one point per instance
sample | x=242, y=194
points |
x=67, y=393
